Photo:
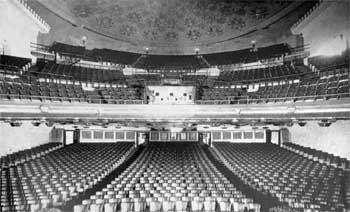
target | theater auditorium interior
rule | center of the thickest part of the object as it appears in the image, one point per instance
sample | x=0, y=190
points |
x=175, y=105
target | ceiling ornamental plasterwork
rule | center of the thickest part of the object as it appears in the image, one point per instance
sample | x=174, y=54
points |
x=170, y=22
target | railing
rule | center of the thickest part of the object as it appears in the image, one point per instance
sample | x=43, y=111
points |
x=297, y=55
x=247, y=100
x=240, y=67
x=207, y=102
x=41, y=51
x=269, y=79
x=92, y=65
x=31, y=75
x=69, y=99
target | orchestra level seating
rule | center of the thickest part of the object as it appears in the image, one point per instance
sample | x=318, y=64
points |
x=27, y=154
x=303, y=183
x=55, y=178
x=322, y=157
x=169, y=177
x=172, y=176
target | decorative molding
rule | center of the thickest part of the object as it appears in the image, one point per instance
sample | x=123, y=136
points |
x=43, y=25
x=309, y=16
x=337, y=109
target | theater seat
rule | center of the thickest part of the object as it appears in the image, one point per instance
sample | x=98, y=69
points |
x=289, y=176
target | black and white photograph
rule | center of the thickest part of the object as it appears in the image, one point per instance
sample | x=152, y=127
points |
x=175, y=105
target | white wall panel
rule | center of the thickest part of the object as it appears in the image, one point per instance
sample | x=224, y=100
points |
x=13, y=139
x=334, y=139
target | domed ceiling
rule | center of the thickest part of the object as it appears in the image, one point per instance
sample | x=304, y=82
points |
x=166, y=22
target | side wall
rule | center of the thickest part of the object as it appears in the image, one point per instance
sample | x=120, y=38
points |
x=13, y=139
x=328, y=31
x=334, y=139
x=17, y=30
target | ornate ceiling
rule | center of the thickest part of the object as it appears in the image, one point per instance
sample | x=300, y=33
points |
x=169, y=22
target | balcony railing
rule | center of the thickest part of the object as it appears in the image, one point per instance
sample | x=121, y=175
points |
x=248, y=100
x=55, y=99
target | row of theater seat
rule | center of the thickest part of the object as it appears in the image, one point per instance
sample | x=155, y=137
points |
x=169, y=177
x=150, y=78
x=310, y=89
x=55, y=178
x=45, y=91
x=221, y=93
x=281, y=71
x=322, y=157
x=146, y=77
x=159, y=61
x=326, y=63
x=13, y=61
x=119, y=93
x=37, y=90
x=79, y=73
x=247, y=55
x=27, y=154
x=330, y=86
x=194, y=78
x=166, y=63
x=294, y=179
x=96, y=55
